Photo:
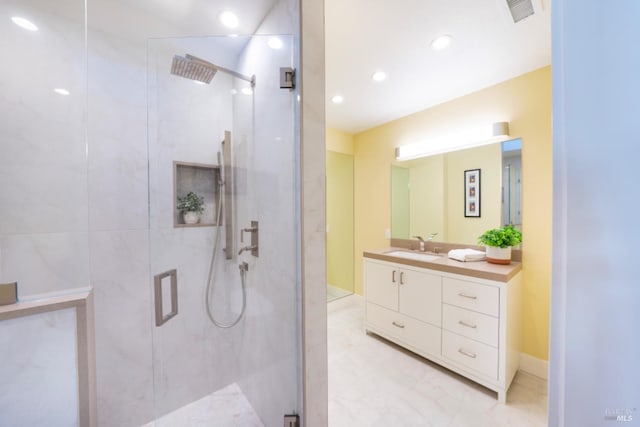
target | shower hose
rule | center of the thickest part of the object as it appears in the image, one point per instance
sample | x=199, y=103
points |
x=211, y=278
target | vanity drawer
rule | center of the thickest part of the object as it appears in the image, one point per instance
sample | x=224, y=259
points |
x=471, y=324
x=476, y=356
x=412, y=332
x=471, y=295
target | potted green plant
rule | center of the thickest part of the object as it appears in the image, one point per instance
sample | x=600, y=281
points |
x=498, y=243
x=191, y=206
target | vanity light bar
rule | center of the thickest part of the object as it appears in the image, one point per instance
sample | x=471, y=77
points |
x=483, y=135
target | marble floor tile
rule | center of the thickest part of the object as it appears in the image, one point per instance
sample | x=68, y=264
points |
x=227, y=407
x=373, y=382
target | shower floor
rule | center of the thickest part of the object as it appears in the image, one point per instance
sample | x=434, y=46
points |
x=227, y=407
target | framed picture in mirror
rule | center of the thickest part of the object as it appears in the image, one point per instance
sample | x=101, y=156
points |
x=472, y=193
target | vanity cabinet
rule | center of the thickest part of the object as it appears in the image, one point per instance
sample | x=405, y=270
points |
x=404, y=302
x=467, y=324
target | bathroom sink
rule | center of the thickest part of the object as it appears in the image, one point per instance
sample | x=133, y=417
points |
x=417, y=256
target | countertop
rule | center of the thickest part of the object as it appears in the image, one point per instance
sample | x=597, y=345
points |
x=478, y=269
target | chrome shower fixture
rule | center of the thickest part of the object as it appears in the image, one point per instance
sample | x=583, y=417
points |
x=194, y=68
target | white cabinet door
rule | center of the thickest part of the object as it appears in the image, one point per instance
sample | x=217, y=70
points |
x=382, y=284
x=421, y=295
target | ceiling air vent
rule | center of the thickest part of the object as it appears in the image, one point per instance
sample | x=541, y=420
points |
x=520, y=9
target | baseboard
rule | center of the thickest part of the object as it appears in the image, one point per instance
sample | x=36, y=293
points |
x=534, y=366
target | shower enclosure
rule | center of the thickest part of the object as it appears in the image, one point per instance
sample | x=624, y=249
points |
x=241, y=134
x=90, y=176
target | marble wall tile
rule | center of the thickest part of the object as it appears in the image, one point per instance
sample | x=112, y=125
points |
x=42, y=139
x=45, y=262
x=312, y=121
x=38, y=370
x=124, y=345
x=117, y=115
x=192, y=357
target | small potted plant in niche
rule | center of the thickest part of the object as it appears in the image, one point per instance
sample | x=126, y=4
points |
x=498, y=243
x=191, y=206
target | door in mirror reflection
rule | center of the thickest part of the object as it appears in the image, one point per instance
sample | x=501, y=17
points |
x=512, y=182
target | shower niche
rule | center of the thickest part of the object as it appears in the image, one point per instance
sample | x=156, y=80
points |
x=201, y=179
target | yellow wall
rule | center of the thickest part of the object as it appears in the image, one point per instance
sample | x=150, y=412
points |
x=340, y=209
x=339, y=205
x=488, y=159
x=338, y=141
x=526, y=103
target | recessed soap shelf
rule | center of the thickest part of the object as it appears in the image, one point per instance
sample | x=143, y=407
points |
x=201, y=179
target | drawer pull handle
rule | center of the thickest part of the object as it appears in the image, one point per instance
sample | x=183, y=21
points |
x=399, y=325
x=468, y=325
x=467, y=353
x=463, y=295
x=393, y=276
x=402, y=277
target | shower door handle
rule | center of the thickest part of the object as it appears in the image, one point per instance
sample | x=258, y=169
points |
x=162, y=318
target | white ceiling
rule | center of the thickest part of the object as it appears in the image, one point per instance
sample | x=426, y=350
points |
x=364, y=36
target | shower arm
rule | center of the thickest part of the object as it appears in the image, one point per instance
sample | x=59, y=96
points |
x=251, y=79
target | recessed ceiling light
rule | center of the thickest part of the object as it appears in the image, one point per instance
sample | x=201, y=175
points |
x=275, y=43
x=229, y=19
x=441, y=42
x=24, y=23
x=337, y=99
x=247, y=90
x=61, y=91
x=379, y=76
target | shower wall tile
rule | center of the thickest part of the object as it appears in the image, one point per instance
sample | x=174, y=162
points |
x=45, y=262
x=122, y=286
x=192, y=356
x=42, y=138
x=187, y=122
x=38, y=370
x=117, y=117
x=313, y=202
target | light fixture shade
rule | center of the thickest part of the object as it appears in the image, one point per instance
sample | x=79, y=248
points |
x=475, y=137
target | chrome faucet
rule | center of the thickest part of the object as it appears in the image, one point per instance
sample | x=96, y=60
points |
x=421, y=242
x=248, y=248
x=431, y=236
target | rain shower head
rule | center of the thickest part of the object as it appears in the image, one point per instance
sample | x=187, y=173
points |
x=194, y=70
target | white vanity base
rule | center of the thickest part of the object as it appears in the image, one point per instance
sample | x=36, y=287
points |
x=466, y=324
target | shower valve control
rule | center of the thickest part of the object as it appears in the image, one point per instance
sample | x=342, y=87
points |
x=253, y=247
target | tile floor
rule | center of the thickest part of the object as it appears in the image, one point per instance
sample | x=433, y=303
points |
x=227, y=407
x=375, y=383
x=334, y=293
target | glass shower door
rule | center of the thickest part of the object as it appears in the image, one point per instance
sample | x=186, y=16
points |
x=221, y=142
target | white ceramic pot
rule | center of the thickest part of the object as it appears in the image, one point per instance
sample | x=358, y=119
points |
x=191, y=217
x=497, y=255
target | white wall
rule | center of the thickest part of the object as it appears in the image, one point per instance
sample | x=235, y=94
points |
x=595, y=344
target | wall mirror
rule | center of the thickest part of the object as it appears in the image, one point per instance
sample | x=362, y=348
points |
x=427, y=194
